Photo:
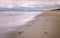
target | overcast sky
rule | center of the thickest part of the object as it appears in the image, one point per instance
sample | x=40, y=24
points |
x=27, y=3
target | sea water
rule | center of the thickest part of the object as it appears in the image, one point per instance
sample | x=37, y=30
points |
x=11, y=21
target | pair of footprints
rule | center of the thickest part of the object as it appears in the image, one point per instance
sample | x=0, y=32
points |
x=23, y=31
x=30, y=25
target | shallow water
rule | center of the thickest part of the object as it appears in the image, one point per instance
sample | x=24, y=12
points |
x=11, y=21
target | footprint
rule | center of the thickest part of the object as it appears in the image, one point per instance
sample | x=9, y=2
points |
x=28, y=25
x=46, y=32
x=20, y=32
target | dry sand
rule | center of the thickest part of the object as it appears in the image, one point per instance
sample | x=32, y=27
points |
x=45, y=25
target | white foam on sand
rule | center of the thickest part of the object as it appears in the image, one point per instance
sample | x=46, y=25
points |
x=19, y=18
x=11, y=21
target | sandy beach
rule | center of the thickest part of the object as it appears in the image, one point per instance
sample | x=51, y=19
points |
x=45, y=25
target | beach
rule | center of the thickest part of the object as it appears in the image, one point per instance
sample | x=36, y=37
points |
x=45, y=25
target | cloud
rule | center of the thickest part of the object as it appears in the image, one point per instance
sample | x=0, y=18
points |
x=27, y=3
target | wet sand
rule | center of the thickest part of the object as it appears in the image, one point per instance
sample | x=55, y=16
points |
x=45, y=25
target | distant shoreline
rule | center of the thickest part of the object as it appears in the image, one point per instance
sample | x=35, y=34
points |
x=25, y=9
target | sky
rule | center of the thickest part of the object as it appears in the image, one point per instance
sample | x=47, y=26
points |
x=27, y=3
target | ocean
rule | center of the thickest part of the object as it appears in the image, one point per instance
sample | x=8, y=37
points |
x=11, y=21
